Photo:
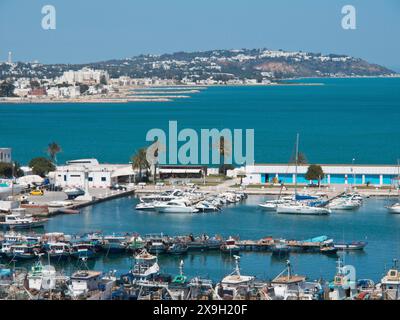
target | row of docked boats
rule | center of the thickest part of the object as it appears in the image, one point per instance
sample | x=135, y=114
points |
x=312, y=204
x=188, y=201
x=145, y=281
x=58, y=246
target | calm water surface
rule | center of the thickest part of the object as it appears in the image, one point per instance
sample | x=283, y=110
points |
x=339, y=121
x=371, y=222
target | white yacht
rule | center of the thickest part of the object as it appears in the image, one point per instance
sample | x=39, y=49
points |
x=344, y=204
x=175, y=206
x=162, y=197
x=395, y=208
x=302, y=209
x=145, y=206
x=206, y=206
x=271, y=205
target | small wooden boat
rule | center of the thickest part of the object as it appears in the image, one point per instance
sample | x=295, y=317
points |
x=230, y=247
x=178, y=248
x=359, y=245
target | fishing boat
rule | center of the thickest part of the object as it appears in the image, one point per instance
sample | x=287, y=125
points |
x=178, y=287
x=289, y=286
x=20, y=221
x=82, y=249
x=146, y=267
x=23, y=251
x=350, y=246
x=328, y=249
x=280, y=249
x=344, y=286
x=390, y=283
x=115, y=244
x=41, y=277
x=156, y=246
x=230, y=246
x=57, y=250
x=178, y=248
x=235, y=285
x=136, y=243
x=175, y=206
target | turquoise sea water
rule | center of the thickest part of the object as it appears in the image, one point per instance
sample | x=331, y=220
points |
x=371, y=223
x=339, y=121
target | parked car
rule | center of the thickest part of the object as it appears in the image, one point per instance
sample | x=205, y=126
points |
x=37, y=192
x=118, y=187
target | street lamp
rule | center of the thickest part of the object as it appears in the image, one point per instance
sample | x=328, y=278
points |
x=354, y=174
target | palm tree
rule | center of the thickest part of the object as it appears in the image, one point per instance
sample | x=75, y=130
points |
x=139, y=161
x=224, y=147
x=52, y=150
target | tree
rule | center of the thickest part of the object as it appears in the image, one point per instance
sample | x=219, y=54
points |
x=10, y=170
x=35, y=84
x=315, y=172
x=139, y=161
x=52, y=150
x=83, y=88
x=103, y=80
x=224, y=147
x=7, y=89
x=41, y=166
x=301, y=159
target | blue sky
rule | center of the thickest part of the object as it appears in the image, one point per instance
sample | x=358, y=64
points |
x=93, y=30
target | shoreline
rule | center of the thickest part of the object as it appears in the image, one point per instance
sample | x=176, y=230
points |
x=155, y=93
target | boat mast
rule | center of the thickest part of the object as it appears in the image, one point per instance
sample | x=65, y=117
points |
x=297, y=162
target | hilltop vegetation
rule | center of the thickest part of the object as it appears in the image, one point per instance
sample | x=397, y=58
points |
x=217, y=64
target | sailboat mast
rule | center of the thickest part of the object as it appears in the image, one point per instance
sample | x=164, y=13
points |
x=297, y=162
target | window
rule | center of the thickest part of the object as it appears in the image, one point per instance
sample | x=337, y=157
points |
x=90, y=179
x=103, y=179
x=65, y=177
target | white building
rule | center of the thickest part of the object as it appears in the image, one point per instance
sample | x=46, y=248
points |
x=99, y=175
x=85, y=75
x=5, y=155
x=380, y=175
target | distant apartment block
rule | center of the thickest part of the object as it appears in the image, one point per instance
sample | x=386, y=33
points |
x=5, y=155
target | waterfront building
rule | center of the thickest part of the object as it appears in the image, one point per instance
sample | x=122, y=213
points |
x=181, y=172
x=5, y=155
x=85, y=75
x=74, y=173
x=342, y=174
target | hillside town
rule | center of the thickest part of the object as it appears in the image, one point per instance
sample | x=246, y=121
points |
x=218, y=67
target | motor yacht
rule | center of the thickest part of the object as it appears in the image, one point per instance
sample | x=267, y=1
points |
x=175, y=206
